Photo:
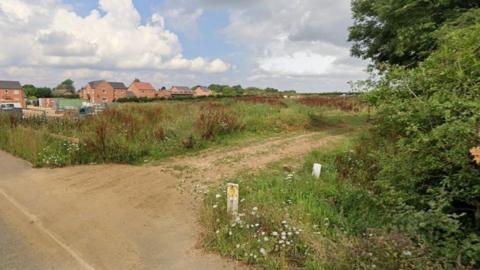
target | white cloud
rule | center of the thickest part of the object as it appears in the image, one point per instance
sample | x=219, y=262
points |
x=183, y=19
x=46, y=33
x=302, y=41
x=301, y=63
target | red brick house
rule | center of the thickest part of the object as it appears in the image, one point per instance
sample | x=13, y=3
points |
x=12, y=92
x=142, y=89
x=164, y=93
x=98, y=92
x=202, y=91
x=181, y=91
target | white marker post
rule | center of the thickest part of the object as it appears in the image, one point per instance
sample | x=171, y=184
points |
x=232, y=199
x=317, y=170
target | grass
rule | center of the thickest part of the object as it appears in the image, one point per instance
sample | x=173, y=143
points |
x=133, y=133
x=291, y=220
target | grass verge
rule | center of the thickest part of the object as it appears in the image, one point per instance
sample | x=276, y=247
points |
x=290, y=220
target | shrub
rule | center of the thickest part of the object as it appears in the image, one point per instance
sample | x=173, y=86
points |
x=215, y=119
x=316, y=120
x=427, y=121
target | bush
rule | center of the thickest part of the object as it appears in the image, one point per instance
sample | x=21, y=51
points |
x=427, y=120
x=215, y=119
x=316, y=120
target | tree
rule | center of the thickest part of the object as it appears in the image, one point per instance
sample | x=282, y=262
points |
x=65, y=88
x=401, y=32
x=32, y=91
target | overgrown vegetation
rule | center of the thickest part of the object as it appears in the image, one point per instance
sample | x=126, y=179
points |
x=133, y=133
x=406, y=194
x=401, y=32
x=289, y=219
x=418, y=158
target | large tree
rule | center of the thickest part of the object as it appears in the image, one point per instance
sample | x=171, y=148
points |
x=65, y=88
x=401, y=32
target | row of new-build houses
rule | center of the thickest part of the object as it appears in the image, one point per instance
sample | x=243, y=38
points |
x=97, y=92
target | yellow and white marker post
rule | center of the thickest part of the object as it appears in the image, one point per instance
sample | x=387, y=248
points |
x=232, y=199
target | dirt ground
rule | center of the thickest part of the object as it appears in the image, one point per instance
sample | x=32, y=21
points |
x=121, y=216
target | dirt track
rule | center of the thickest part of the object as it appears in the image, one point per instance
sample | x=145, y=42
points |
x=120, y=216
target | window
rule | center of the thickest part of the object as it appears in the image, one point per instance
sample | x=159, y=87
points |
x=16, y=92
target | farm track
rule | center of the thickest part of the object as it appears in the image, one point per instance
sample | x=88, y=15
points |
x=121, y=216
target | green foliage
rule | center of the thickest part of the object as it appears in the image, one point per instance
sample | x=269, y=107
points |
x=290, y=220
x=41, y=92
x=238, y=90
x=418, y=159
x=401, y=32
x=65, y=88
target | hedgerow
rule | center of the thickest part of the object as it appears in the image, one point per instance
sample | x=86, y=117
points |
x=417, y=157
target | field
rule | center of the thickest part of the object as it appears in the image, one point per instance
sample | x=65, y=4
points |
x=138, y=133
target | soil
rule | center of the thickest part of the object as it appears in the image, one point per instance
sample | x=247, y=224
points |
x=122, y=216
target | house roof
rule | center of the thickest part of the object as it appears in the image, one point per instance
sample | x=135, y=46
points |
x=143, y=86
x=181, y=90
x=10, y=85
x=203, y=88
x=118, y=85
x=115, y=85
x=94, y=84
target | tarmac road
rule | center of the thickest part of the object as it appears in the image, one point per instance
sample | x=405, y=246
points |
x=24, y=246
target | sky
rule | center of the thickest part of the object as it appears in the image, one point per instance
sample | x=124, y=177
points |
x=286, y=44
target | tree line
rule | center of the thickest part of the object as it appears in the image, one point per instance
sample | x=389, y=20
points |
x=64, y=89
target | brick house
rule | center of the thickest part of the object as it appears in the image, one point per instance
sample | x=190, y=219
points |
x=12, y=92
x=202, y=91
x=98, y=92
x=181, y=91
x=164, y=93
x=142, y=89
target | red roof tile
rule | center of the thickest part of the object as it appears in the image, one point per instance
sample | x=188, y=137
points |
x=143, y=86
